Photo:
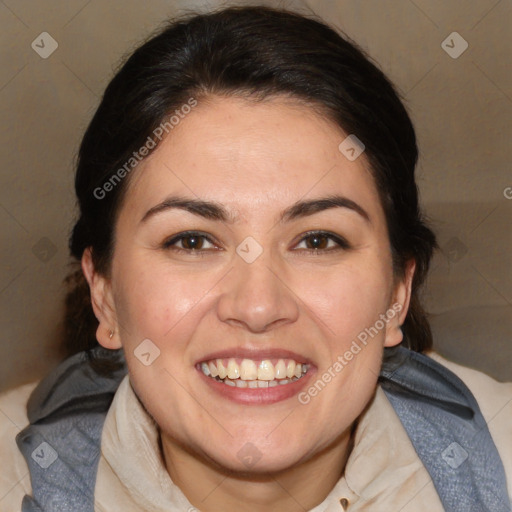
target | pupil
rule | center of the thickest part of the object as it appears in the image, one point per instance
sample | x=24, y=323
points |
x=192, y=242
x=317, y=241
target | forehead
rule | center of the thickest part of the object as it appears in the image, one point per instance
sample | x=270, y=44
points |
x=252, y=155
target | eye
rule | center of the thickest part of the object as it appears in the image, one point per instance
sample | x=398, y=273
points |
x=190, y=241
x=321, y=241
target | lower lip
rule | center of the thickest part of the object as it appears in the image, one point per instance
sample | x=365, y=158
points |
x=258, y=396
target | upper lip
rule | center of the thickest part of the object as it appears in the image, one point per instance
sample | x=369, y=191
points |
x=255, y=354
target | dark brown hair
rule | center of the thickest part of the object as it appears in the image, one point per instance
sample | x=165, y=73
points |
x=258, y=52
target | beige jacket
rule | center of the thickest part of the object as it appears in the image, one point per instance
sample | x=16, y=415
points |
x=383, y=472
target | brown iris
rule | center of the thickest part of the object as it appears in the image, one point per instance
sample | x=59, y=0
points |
x=317, y=241
x=192, y=242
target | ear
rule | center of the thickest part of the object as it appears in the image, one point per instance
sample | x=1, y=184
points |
x=102, y=304
x=399, y=305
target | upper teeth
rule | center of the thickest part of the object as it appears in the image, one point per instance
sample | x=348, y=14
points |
x=247, y=369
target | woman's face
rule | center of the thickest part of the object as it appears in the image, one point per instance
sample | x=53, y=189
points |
x=248, y=237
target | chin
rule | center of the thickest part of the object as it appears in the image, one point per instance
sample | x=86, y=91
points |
x=251, y=459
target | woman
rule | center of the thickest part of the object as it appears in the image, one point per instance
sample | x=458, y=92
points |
x=253, y=249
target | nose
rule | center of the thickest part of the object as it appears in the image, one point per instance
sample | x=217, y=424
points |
x=257, y=297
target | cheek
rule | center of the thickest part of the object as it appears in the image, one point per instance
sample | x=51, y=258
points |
x=163, y=305
x=349, y=304
x=155, y=304
x=349, y=300
x=153, y=301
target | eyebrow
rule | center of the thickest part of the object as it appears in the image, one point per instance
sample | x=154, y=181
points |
x=306, y=208
x=215, y=211
x=205, y=209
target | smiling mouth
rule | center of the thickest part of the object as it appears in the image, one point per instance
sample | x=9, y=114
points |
x=254, y=373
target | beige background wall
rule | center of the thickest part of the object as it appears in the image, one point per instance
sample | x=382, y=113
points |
x=461, y=107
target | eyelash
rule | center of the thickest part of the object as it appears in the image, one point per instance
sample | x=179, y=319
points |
x=170, y=244
x=341, y=243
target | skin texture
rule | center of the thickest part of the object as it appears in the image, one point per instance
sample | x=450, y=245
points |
x=256, y=159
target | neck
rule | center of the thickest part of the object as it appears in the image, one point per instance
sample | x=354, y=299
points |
x=211, y=488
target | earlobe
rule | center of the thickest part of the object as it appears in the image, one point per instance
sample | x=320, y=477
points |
x=102, y=303
x=400, y=305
